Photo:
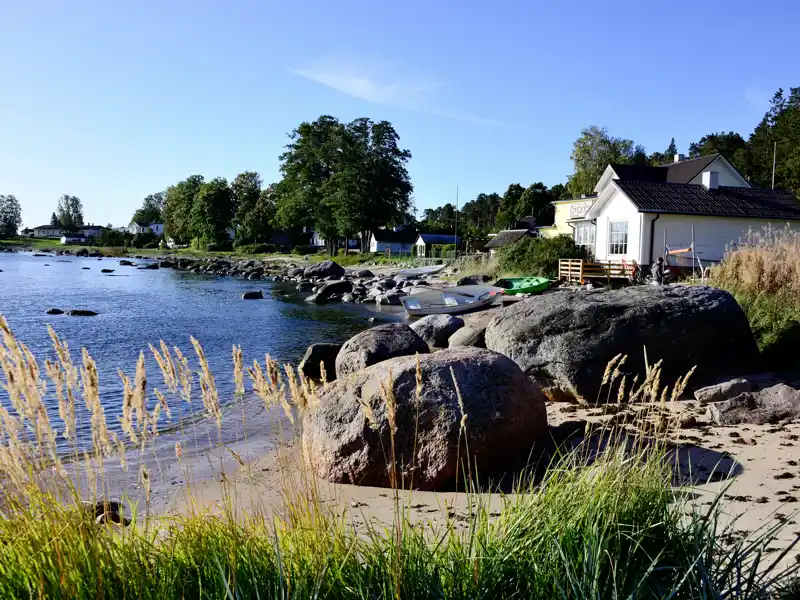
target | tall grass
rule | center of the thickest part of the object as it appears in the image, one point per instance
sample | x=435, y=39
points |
x=763, y=273
x=602, y=522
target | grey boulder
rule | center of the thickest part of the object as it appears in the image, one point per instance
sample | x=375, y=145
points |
x=468, y=336
x=326, y=268
x=565, y=340
x=296, y=272
x=365, y=274
x=317, y=354
x=376, y=345
x=347, y=436
x=327, y=291
x=437, y=329
x=253, y=295
x=390, y=298
x=724, y=391
x=776, y=404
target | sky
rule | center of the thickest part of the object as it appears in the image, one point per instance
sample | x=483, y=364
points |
x=111, y=101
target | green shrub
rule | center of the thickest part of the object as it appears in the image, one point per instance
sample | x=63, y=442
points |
x=256, y=248
x=304, y=249
x=443, y=250
x=539, y=256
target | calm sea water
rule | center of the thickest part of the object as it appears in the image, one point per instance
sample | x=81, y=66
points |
x=140, y=307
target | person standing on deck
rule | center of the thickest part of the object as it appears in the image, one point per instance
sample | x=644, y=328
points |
x=658, y=274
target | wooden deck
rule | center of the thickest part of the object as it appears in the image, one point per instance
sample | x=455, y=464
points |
x=579, y=271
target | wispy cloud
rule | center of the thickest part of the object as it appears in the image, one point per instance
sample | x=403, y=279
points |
x=385, y=85
x=757, y=98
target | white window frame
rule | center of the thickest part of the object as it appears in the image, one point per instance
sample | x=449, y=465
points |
x=585, y=234
x=617, y=240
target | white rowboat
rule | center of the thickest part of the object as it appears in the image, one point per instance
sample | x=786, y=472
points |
x=448, y=301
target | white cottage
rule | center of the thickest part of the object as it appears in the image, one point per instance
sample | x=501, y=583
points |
x=394, y=242
x=638, y=207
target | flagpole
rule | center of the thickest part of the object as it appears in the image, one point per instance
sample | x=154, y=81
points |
x=456, y=235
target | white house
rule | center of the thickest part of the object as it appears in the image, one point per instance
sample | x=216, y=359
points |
x=394, y=242
x=47, y=231
x=137, y=228
x=638, y=210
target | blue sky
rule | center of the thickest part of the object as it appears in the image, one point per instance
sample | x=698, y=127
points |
x=111, y=101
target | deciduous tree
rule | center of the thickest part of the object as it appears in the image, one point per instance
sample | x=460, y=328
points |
x=70, y=212
x=10, y=215
x=592, y=152
x=152, y=209
x=178, y=202
x=212, y=212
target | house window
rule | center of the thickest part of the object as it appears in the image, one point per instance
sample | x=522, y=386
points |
x=618, y=237
x=584, y=235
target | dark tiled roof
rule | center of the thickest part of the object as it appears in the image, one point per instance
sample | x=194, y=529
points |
x=679, y=172
x=686, y=199
x=388, y=236
x=439, y=238
x=506, y=237
x=48, y=227
x=640, y=172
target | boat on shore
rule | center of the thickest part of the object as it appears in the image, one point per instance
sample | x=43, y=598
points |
x=523, y=285
x=449, y=301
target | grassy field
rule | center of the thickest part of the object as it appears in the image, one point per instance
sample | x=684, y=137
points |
x=604, y=524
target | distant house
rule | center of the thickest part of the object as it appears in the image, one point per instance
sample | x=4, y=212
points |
x=137, y=228
x=394, y=242
x=27, y=232
x=73, y=238
x=525, y=227
x=92, y=231
x=47, y=231
x=639, y=208
x=426, y=241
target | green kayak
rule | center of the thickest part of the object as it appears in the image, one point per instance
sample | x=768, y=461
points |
x=524, y=285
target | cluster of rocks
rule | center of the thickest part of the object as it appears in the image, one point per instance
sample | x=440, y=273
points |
x=555, y=346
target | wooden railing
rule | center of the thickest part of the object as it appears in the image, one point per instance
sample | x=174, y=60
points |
x=575, y=269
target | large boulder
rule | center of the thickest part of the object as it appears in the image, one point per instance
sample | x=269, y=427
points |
x=468, y=336
x=347, y=437
x=776, y=404
x=326, y=268
x=376, y=345
x=566, y=340
x=253, y=295
x=437, y=329
x=365, y=274
x=317, y=354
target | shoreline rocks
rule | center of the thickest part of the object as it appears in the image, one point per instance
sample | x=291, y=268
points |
x=347, y=436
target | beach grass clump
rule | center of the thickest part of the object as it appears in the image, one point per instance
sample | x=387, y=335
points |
x=603, y=521
x=763, y=273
